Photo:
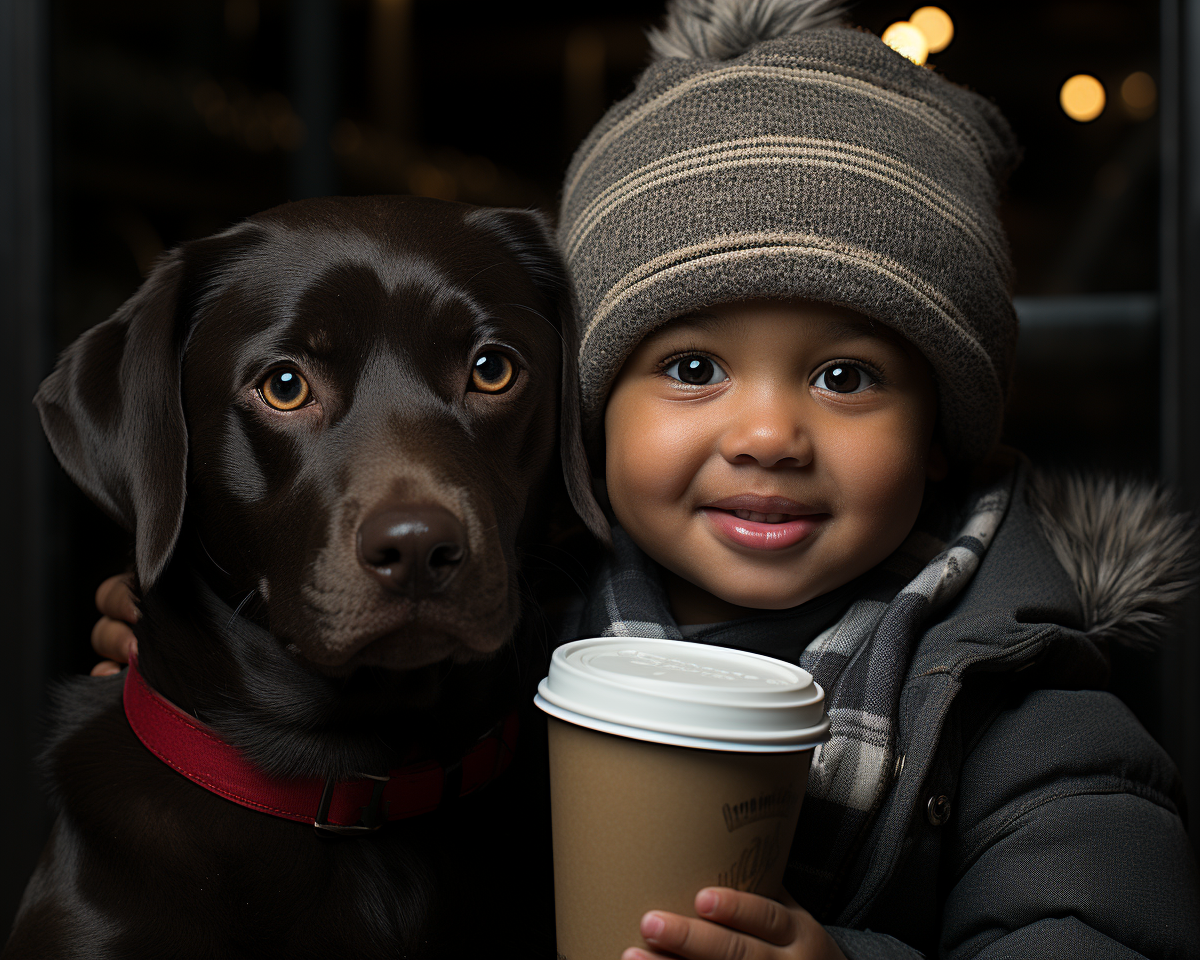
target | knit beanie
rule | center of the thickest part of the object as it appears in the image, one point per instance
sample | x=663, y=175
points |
x=770, y=152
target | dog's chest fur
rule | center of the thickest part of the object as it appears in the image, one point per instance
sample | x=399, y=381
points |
x=201, y=884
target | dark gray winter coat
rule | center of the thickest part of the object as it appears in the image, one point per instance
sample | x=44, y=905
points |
x=1031, y=815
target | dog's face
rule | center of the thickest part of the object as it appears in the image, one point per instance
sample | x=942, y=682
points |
x=365, y=395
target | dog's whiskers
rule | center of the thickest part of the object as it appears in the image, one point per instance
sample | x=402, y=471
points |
x=483, y=270
x=524, y=306
x=245, y=600
x=207, y=553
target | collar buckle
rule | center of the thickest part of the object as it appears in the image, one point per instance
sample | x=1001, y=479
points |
x=373, y=816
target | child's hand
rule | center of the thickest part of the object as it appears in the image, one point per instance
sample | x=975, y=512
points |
x=736, y=926
x=112, y=637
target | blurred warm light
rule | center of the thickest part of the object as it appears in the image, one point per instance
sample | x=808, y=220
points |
x=1140, y=95
x=427, y=180
x=1082, y=98
x=907, y=41
x=937, y=26
x=259, y=122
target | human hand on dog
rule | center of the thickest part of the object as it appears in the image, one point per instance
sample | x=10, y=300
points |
x=112, y=636
x=736, y=925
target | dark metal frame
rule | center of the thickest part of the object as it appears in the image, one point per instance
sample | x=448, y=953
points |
x=25, y=332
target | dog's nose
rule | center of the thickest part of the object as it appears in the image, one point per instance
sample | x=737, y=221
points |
x=412, y=550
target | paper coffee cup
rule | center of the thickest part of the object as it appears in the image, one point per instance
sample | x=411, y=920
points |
x=673, y=766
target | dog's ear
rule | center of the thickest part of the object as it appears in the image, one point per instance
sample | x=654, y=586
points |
x=529, y=238
x=112, y=408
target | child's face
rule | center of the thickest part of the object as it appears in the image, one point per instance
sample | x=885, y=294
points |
x=768, y=452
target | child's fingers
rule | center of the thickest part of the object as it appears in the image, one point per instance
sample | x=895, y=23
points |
x=112, y=637
x=113, y=640
x=114, y=598
x=700, y=940
x=106, y=668
x=748, y=912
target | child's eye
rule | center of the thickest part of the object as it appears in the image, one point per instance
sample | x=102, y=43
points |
x=844, y=378
x=695, y=369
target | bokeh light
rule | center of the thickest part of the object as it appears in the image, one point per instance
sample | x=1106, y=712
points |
x=1140, y=95
x=937, y=26
x=907, y=41
x=1082, y=98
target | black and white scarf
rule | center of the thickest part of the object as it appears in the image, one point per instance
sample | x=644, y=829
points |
x=856, y=641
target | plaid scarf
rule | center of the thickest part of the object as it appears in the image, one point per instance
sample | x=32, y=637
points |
x=856, y=641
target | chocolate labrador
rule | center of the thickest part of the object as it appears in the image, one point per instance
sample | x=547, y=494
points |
x=332, y=430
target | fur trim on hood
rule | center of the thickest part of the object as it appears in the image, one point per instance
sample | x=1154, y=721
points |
x=719, y=29
x=1129, y=552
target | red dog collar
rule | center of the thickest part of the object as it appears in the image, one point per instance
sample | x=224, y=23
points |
x=336, y=806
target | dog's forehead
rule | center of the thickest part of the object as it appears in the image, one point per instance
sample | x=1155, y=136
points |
x=318, y=289
x=465, y=266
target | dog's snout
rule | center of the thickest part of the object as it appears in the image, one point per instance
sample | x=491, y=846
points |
x=412, y=550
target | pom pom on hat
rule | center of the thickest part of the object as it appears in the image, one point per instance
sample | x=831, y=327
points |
x=719, y=29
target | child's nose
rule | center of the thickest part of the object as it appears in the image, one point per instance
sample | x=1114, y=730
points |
x=766, y=428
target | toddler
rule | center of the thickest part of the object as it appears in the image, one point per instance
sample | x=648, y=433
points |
x=797, y=335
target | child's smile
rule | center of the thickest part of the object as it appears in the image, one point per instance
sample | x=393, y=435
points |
x=763, y=523
x=767, y=452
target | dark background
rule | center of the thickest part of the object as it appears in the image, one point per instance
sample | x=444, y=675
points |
x=132, y=125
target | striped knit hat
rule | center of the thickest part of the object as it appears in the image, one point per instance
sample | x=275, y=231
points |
x=768, y=151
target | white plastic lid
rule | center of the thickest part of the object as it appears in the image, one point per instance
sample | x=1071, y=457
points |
x=692, y=694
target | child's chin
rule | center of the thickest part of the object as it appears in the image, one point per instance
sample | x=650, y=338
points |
x=755, y=597
x=773, y=602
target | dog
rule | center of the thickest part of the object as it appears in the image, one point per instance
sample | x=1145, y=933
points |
x=333, y=430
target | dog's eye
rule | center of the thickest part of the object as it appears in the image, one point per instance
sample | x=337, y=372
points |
x=492, y=372
x=284, y=390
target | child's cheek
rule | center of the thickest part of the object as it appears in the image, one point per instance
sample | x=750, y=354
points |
x=880, y=473
x=651, y=454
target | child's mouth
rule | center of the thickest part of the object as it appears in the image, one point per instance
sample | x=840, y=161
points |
x=762, y=531
x=763, y=517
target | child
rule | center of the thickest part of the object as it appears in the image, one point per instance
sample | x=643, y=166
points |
x=797, y=334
